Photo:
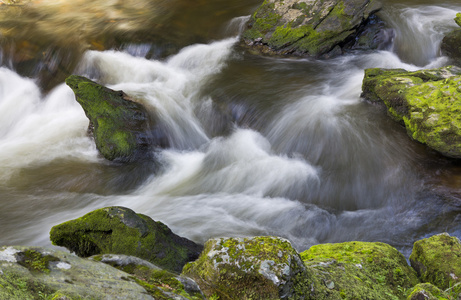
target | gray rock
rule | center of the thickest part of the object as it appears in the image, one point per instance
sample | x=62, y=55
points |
x=36, y=273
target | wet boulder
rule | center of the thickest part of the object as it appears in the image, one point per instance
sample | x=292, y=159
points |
x=119, y=230
x=451, y=43
x=359, y=270
x=120, y=126
x=251, y=268
x=160, y=284
x=40, y=273
x=437, y=260
x=307, y=27
x=426, y=102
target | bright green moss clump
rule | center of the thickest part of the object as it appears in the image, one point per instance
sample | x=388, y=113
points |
x=360, y=270
x=458, y=19
x=438, y=260
x=119, y=124
x=427, y=102
x=119, y=230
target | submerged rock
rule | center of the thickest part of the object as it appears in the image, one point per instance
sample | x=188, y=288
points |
x=120, y=126
x=119, y=230
x=359, y=270
x=39, y=273
x=438, y=260
x=426, y=102
x=251, y=268
x=159, y=283
x=307, y=27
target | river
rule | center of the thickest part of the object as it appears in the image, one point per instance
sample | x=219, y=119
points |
x=259, y=145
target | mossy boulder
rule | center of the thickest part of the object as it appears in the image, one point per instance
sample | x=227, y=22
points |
x=307, y=27
x=438, y=260
x=426, y=102
x=160, y=284
x=120, y=126
x=360, y=270
x=451, y=43
x=119, y=230
x=29, y=273
x=427, y=291
x=251, y=268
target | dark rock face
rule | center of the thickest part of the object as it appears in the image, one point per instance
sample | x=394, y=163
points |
x=122, y=128
x=426, y=102
x=119, y=230
x=451, y=45
x=313, y=27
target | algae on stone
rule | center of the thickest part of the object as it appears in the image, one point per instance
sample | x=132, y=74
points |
x=251, y=268
x=359, y=270
x=426, y=102
x=120, y=126
x=119, y=230
x=306, y=27
x=438, y=260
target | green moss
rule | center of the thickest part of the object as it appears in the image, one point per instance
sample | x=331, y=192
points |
x=118, y=230
x=35, y=261
x=437, y=260
x=360, y=270
x=15, y=287
x=458, y=19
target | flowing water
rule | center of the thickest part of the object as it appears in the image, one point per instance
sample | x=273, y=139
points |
x=259, y=145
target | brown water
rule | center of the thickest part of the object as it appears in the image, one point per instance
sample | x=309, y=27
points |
x=260, y=145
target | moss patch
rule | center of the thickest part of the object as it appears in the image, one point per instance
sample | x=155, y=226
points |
x=427, y=291
x=119, y=230
x=360, y=270
x=458, y=19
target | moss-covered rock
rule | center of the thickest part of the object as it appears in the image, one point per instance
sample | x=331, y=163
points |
x=251, y=268
x=120, y=230
x=40, y=273
x=427, y=291
x=360, y=270
x=426, y=102
x=438, y=260
x=119, y=125
x=159, y=283
x=306, y=27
